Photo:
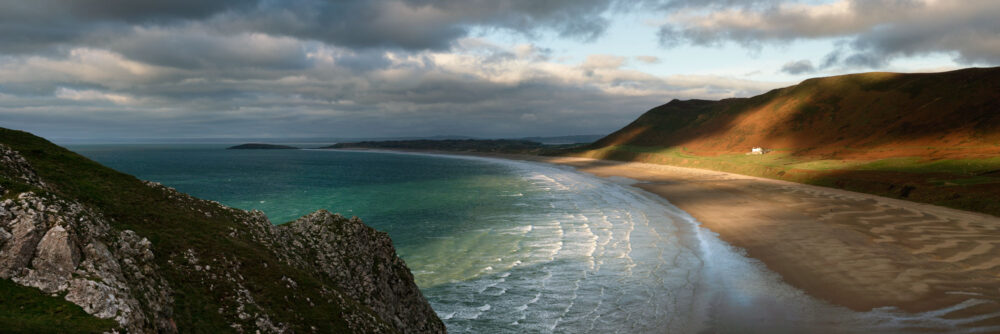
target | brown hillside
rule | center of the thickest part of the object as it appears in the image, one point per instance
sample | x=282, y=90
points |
x=932, y=138
x=859, y=116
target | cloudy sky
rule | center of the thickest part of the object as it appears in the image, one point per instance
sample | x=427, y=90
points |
x=486, y=68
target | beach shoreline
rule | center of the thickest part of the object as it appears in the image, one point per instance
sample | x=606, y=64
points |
x=856, y=250
x=851, y=249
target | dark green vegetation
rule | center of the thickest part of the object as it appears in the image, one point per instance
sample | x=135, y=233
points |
x=174, y=225
x=932, y=138
x=453, y=145
x=259, y=146
x=28, y=310
x=564, y=140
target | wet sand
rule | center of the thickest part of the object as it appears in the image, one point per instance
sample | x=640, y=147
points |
x=857, y=250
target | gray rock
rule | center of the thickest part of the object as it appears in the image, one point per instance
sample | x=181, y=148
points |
x=60, y=247
x=14, y=166
x=56, y=257
x=364, y=264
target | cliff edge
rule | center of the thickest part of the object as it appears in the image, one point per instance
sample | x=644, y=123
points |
x=152, y=259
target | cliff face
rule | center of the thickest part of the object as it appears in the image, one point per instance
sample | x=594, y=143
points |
x=60, y=247
x=363, y=259
x=157, y=260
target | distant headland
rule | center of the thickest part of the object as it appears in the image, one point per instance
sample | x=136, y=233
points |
x=260, y=146
x=453, y=145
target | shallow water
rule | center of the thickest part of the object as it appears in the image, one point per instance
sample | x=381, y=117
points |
x=500, y=246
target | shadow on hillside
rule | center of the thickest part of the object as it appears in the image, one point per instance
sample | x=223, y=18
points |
x=929, y=188
x=834, y=116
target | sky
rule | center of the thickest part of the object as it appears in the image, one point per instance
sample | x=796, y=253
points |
x=101, y=69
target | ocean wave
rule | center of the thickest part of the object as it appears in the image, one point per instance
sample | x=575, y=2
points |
x=594, y=255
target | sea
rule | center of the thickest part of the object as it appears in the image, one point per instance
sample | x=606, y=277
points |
x=503, y=246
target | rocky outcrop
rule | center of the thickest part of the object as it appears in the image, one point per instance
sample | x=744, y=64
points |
x=60, y=247
x=15, y=167
x=64, y=247
x=364, y=263
x=360, y=260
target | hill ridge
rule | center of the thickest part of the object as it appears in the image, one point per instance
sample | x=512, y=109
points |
x=928, y=137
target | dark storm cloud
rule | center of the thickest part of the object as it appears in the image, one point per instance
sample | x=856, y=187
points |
x=30, y=26
x=194, y=48
x=973, y=36
x=417, y=24
x=119, y=10
x=798, y=67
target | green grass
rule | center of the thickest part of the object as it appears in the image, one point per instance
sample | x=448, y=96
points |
x=784, y=159
x=950, y=166
x=966, y=181
x=824, y=122
x=967, y=184
x=29, y=310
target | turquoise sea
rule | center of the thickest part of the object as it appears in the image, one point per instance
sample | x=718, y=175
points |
x=501, y=246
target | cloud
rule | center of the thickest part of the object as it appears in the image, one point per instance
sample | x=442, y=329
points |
x=417, y=24
x=798, y=67
x=91, y=95
x=603, y=62
x=498, y=90
x=407, y=24
x=876, y=31
x=194, y=47
x=417, y=67
x=648, y=59
x=32, y=26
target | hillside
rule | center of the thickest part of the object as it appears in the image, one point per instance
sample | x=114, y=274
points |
x=118, y=252
x=932, y=137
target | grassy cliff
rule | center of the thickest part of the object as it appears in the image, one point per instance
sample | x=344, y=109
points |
x=931, y=137
x=227, y=269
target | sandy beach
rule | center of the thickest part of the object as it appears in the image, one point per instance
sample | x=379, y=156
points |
x=851, y=249
x=856, y=250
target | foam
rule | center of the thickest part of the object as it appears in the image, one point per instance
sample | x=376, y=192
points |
x=600, y=256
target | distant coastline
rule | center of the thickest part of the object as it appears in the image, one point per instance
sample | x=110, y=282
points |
x=506, y=146
x=261, y=146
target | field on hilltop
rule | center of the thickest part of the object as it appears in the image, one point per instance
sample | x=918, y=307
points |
x=929, y=137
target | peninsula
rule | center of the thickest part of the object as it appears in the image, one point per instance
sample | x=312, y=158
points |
x=260, y=146
x=448, y=145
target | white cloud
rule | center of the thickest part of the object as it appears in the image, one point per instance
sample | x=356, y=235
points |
x=91, y=95
x=603, y=62
x=648, y=59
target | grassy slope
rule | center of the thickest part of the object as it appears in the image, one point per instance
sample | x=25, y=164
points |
x=28, y=310
x=931, y=138
x=173, y=226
